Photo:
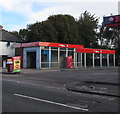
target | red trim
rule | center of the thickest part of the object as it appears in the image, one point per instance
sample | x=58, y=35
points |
x=31, y=44
x=60, y=45
x=49, y=44
x=18, y=45
x=79, y=48
x=115, y=24
x=99, y=51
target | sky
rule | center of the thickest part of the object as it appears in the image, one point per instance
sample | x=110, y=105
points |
x=17, y=14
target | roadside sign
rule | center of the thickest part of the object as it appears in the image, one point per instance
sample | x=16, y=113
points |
x=16, y=63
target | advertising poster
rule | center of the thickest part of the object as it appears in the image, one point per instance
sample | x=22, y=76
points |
x=16, y=63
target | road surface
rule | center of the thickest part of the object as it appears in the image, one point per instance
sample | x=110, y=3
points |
x=24, y=97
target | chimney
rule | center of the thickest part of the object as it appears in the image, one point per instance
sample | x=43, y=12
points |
x=1, y=27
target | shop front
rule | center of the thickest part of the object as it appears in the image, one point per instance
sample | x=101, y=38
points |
x=39, y=55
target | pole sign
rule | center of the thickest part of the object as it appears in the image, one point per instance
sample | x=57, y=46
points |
x=16, y=63
x=111, y=20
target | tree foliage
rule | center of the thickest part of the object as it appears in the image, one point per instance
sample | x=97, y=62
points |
x=57, y=28
x=109, y=37
x=87, y=25
x=63, y=29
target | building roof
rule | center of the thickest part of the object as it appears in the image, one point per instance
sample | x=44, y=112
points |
x=8, y=37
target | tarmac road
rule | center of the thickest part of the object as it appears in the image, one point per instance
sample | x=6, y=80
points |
x=34, y=92
x=18, y=97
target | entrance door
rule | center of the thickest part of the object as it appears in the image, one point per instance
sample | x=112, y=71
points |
x=31, y=60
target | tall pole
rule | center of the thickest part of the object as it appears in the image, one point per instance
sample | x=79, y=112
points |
x=81, y=59
x=66, y=52
x=108, y=60
x=85, y=60
x=101, y=60
x=49, y=57
x=93, y=60
x=40, y=57
x=74, y=58
x=114, y=59
x=58, y=57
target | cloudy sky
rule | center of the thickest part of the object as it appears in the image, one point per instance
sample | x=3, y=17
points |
x=16, y=14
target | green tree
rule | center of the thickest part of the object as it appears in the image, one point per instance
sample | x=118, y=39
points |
x=66, y=28
x=108, y=37
x=57, y=28
x=35, y=32
x=23, y=33
x=87, y=25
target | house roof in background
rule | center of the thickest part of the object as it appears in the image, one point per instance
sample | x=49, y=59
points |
x=8, y=37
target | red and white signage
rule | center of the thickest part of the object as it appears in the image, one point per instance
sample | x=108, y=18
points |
x=79, y=48
x=31, y=44
x=49, y=44
x=99, y=51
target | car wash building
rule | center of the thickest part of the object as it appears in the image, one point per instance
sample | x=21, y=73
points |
x=57, y=55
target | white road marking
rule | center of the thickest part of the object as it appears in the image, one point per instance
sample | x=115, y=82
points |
x=18, y=82
x=51, y=102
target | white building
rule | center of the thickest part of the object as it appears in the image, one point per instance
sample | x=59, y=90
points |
x=7, y=44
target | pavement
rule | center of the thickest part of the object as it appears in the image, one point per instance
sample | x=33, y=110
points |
x=96, y=86
x=36, y=71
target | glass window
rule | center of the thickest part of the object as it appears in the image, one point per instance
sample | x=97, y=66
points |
x=54, y=48
x=62, y=49
x=111, y=60
x=44, y=58
x=54, y=56
x=54, y=65
x=89, y=59
x=78, y=60
x=104, y=59
x=97, y=60
x=62, y=59
x=44, y=47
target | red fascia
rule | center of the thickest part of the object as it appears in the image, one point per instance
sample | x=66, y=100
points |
x=31, y=44
x=18, y=45
x=97, y=51
x=61, y=45
x=49, y=44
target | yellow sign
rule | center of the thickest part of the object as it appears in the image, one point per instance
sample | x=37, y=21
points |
x=17, y=64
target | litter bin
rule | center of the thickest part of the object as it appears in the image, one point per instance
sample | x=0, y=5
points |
x=9, y=65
